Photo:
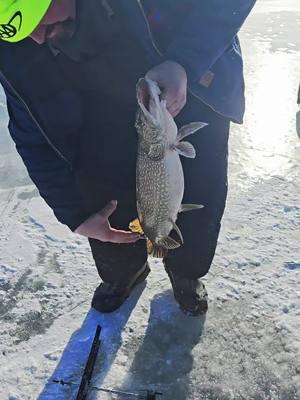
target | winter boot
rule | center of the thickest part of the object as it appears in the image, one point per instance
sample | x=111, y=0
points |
x=189, y=293
x=108, y=297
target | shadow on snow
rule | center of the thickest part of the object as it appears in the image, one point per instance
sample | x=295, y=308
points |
x=74, y=357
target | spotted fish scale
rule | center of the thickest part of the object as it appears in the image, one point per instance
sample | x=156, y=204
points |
x=159, y=174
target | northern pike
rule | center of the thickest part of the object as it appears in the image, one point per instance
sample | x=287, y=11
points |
x=159, y=173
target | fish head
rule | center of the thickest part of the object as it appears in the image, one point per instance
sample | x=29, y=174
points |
x=154, y=122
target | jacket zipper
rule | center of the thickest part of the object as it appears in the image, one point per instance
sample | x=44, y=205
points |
x=149, y=29
x=35, y=120
x=155, y=46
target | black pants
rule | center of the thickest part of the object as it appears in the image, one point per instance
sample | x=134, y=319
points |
x=205, y=183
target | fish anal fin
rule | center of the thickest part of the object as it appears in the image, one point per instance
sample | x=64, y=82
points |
x=185, y=149
x=190, y=207
x=189, y=129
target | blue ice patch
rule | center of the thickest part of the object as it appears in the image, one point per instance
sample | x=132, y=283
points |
x=292, y=266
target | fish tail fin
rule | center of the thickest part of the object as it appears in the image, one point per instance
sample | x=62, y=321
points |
x=156, y=250
x=168, y=243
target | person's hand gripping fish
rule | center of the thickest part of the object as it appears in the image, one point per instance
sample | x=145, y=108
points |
x=172, y=81
x=98, y=227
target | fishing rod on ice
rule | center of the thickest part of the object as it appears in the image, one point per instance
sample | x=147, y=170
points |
x=85, y=385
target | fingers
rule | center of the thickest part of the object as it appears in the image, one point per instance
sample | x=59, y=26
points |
x=175, y=102
x=119, y=236
x=98, y=227
x=107, y=211
x=175, y=109
x=105, y=233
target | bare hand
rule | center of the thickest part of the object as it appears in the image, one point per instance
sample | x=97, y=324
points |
x=172, y=80
x=98, y=227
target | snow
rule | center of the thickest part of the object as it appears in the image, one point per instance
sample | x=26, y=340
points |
x=248, y=345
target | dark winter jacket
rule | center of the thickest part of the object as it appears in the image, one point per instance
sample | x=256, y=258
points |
x=46, y=114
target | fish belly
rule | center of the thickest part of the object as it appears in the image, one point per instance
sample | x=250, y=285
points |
x=176, y=183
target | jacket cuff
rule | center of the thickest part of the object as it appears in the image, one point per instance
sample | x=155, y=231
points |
x=72, y=220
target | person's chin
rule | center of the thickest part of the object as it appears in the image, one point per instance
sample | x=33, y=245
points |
x=59, y=32
x=55, y=33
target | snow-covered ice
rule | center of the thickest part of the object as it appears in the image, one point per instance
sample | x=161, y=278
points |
x=248, y=346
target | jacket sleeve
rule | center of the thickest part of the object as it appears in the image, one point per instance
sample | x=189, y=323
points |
x=206, y=33
x=51, y=174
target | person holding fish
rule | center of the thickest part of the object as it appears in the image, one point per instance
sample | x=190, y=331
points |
x=71, y=71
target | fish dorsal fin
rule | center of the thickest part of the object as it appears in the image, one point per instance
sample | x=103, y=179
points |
x=189, y=129
x=190, y=207
x=168, y=243
x=185, y=149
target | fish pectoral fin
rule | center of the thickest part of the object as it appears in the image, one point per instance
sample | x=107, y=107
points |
x=156, y=151
x=185, y=149
x=168, y=243
x=177, y=230
x=135, y=226
x=190, y=207
x=189, y=129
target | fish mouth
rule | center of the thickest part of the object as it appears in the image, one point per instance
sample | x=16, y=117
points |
x=143, y=93
x=148, y=93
